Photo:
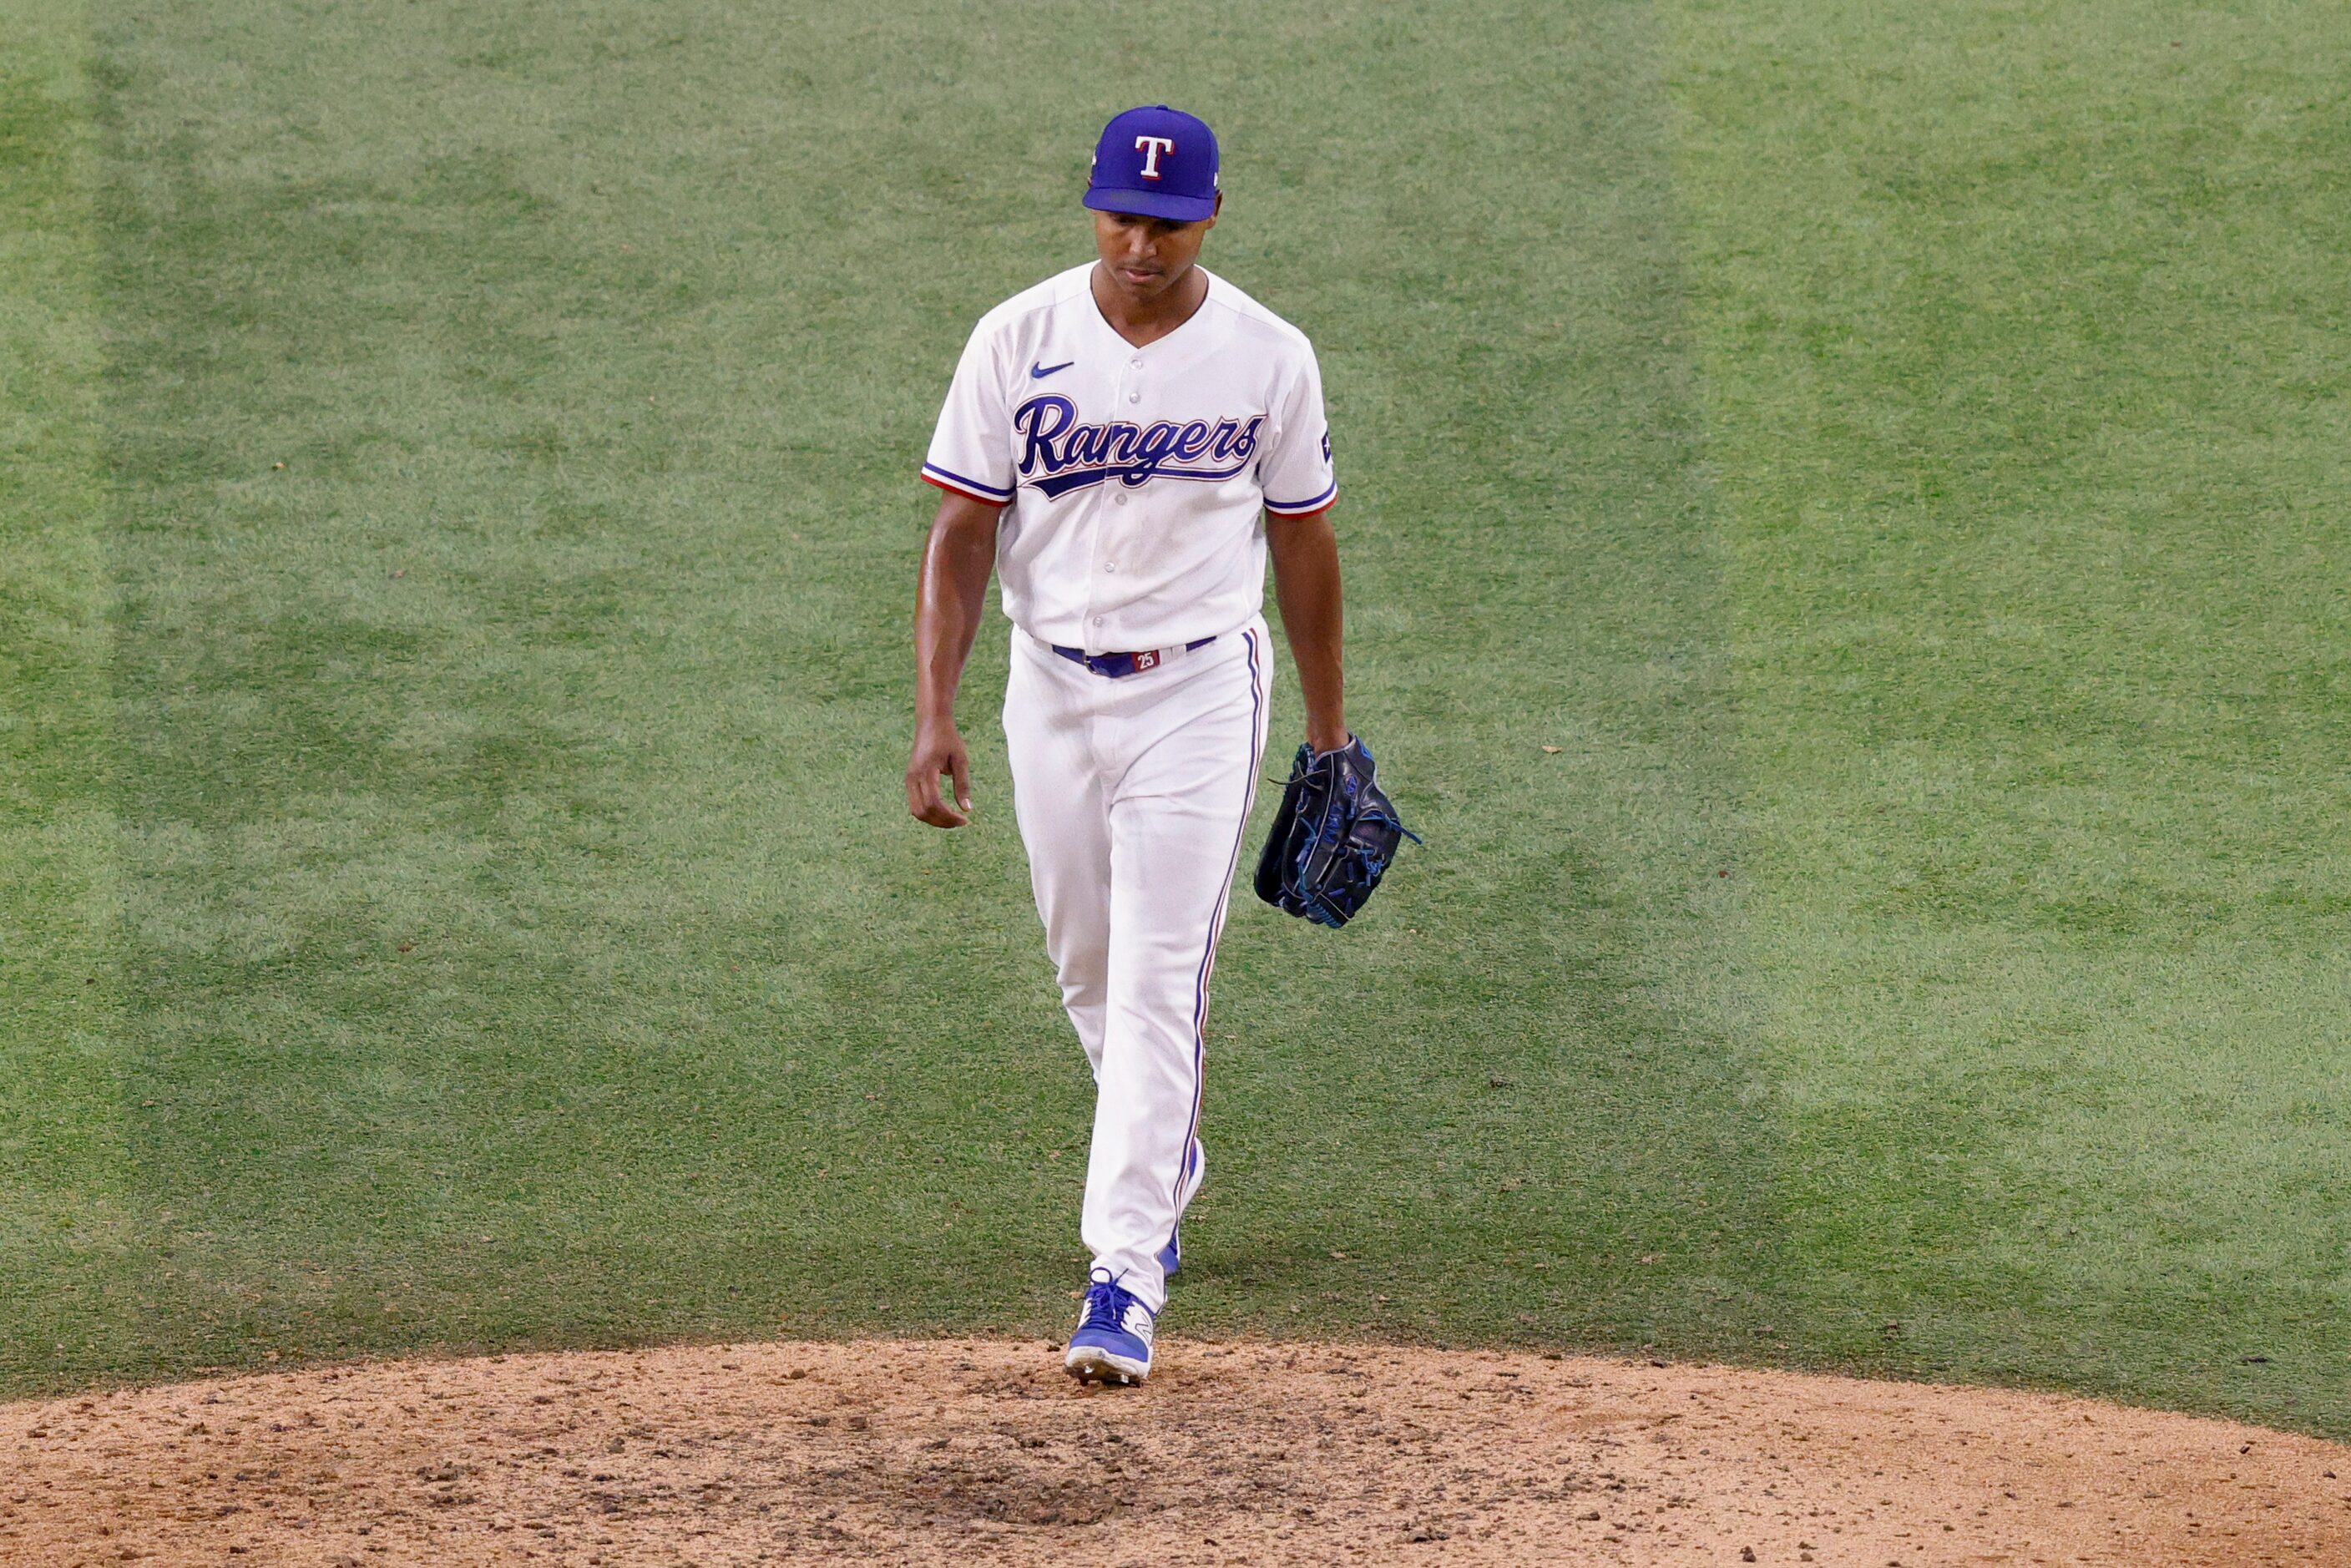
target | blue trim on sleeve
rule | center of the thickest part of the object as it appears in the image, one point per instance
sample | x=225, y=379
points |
x=1292, y=508
x=997, y=491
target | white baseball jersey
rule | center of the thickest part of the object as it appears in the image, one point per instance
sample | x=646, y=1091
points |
x=1134, y=480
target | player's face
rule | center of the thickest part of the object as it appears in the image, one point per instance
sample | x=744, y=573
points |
x=1147, y=256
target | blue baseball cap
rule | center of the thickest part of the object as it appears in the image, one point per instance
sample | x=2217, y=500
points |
x=1158, y=162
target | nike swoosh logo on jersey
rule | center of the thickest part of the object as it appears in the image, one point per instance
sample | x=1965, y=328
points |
x=1038, y=372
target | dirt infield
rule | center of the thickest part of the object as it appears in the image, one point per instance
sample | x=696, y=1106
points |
x=930, y=1451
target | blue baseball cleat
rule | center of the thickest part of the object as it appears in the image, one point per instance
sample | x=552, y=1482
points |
x=1112, y=1343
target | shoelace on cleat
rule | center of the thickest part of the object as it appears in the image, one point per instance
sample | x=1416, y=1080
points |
x=1105, y=1306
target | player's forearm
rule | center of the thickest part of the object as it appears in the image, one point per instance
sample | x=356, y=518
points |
x=949, y=600
x=1306, y=585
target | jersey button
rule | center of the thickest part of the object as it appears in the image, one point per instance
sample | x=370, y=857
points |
x=1134, y=397
x=1136, y=363
x=1118, y=500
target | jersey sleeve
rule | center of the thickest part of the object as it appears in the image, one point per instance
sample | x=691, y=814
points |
x=971, y=450
x=1295, y=473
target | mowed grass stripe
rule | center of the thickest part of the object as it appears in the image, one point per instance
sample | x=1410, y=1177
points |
x=67, y=1216
x=2022, y=332
x=1513, y=1098
x=528, y=945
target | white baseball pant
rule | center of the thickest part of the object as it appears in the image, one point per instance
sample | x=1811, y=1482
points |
x=1133, y=794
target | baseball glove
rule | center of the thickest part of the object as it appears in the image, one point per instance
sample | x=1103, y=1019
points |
x=1332, y=839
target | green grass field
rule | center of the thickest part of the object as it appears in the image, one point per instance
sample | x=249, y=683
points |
x=457, y=521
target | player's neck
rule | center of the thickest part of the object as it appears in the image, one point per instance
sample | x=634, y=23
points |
x=1144, y=320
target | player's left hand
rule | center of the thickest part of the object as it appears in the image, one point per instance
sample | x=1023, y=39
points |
x=938, y=749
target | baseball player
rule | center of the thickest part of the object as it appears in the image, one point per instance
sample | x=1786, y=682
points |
x=1125, y=443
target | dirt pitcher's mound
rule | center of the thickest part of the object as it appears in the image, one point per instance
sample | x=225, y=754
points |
x=933, y=1451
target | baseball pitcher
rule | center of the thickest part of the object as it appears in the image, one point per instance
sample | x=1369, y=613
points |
x=1125, y=443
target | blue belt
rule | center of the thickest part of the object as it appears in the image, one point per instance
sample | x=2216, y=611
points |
x=1117, y=665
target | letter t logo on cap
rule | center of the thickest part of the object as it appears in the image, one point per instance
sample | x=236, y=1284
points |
x=1154, y=161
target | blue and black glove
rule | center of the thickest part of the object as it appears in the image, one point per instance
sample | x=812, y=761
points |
x=1334, y=837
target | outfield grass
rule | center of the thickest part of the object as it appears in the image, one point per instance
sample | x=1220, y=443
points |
x=1888, y=457
x=69, y=1255
x=2026, y=405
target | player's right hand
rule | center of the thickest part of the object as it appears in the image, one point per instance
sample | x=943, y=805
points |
x=938, y=750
